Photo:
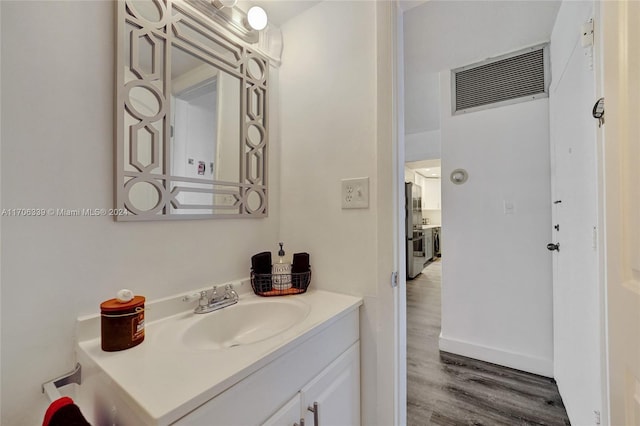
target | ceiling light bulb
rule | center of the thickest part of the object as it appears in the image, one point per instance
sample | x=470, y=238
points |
x=257, y=18
x=228, y=3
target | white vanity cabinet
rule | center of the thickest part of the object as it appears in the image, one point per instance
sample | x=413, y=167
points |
x=169, y=380
x=324, y=369
x=288, y=415
x=334, y=393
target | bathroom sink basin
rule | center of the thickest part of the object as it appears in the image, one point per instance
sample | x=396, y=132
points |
x=244, y=323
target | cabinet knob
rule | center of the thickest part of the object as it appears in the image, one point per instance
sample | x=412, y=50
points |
x=314, y=409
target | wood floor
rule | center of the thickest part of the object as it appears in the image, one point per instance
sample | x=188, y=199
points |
x=448, y=389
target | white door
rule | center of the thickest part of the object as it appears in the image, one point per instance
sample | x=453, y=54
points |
x=576, y=299
x=621, y=188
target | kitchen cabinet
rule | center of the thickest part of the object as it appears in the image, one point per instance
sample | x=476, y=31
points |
x=431, y=194
x=419, y=180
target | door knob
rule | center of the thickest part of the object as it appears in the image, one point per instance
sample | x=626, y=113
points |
x=552, y=247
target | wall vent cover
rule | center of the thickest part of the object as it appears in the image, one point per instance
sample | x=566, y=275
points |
x=516, y=77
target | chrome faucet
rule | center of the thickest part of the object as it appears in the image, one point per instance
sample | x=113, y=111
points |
x=214, y=302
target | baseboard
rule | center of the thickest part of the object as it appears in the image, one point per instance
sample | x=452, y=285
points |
x=535, y=365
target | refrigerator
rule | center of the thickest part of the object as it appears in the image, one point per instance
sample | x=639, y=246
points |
x=415, y=238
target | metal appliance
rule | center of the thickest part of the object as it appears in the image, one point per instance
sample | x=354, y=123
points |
x=436, y=242
x=415, y=237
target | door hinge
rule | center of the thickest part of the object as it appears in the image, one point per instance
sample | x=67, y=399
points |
x=394, y=279
x=587, y=33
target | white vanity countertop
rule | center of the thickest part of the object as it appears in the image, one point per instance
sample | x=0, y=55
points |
x=167, y=380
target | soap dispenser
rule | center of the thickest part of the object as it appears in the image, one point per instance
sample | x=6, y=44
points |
x=281, y=271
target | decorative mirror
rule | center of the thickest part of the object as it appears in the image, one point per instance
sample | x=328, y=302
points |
x=192, y=117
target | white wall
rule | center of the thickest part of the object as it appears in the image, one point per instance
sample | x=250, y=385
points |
x=422, y=146
x=409, y=175
x=57, y=151
x=496, y=290
x=434, y=216
x=422, y=96
x=330, y=131
x=448, y=34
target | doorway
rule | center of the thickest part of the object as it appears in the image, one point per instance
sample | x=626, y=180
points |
x=497, y=295
x=423, y=208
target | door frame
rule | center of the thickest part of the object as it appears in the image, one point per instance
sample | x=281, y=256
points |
x=599, y=59
x=391, y=270
x=401, y=301
x=619, y=67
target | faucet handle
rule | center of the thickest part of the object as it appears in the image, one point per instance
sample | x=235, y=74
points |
x=204, y=299
x=230, y=293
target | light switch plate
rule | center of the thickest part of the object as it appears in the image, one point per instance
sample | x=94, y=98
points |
x=355, y=193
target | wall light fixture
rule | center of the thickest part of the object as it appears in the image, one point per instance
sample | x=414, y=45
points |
x=257, y=18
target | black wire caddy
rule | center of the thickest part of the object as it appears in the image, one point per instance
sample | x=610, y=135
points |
x=268, y=285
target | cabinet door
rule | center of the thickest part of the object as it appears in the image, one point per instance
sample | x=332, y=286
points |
x=336, y=392
x=420, y=182
x=431, y=199
x=288, y=415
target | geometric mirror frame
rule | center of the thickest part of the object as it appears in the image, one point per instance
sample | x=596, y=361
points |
x=191, y=116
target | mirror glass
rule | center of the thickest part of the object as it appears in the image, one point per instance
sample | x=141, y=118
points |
x=192, y=116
